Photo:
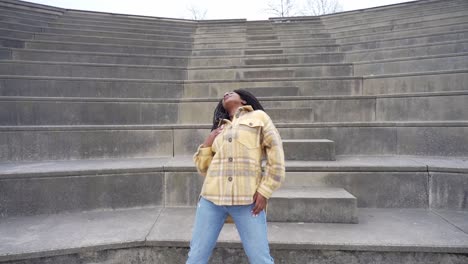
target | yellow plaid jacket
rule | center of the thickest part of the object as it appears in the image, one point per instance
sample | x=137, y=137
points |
x=232, y=165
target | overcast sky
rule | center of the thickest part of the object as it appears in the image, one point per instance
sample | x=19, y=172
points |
x=215, y=9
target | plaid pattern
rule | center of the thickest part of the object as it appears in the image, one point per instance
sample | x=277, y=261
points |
x=232, y=165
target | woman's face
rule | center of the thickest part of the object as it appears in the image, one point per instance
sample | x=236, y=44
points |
x=232, y=98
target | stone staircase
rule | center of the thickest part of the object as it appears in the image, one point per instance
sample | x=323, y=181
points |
x=100, y=114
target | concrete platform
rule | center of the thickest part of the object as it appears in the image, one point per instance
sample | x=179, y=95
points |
x=87, y=233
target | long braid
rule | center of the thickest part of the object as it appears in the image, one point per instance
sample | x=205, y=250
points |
x=220, y=113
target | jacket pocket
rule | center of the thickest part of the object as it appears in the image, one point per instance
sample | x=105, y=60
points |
x=249, y=132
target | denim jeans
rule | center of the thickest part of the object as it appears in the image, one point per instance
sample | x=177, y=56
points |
x=209, y=221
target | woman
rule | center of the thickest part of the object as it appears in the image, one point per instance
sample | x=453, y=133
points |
x=230, y=159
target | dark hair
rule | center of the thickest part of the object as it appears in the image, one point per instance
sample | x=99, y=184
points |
x=220, y=113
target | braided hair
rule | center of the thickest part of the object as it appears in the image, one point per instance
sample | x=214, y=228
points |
x=220, y=113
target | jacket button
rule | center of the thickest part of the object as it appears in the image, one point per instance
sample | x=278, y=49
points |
x=250, y=124
x=230, y=139
x=237, y=115
x=230, y=159
x=230, y=179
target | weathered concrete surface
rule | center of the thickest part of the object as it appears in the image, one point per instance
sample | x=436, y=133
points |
x=309, y=149
x=416, y=234
x=312, y=204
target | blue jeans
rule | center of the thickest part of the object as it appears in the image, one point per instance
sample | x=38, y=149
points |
x=209, y=221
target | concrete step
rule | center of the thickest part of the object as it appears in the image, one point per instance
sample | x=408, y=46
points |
x=110, y=34
x=412, y=32
x=22, y=7
x=265, y=60
x=288, y=115
x=295, y=109
x=264, y=51
x=433, y=30
x=15, y=34
x=309, y=149
x=149, y=30
x=20, y=27
x=165, y=26
x=107, y=48
x=313, y=205
x=239, y=43
x=279, y=71
x=456, y=16
x=372, y=16
x=91, y=70
x=448, y=47
x=374, y=181
x=113, y=111
x=33, y=6
x=89, y=57
x=398, y=42
x=12, y=12
x=437, y=81
x=63, y=142
x=413, y=64
x=118, y=41
x=22, y=21
x=382, y=233
x=126, y=19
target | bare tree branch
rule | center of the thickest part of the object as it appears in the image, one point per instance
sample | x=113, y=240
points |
x=281, y=8
x=197, y=13
x=321, y=7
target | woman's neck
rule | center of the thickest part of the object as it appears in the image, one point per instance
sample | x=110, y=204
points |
x=232, y=110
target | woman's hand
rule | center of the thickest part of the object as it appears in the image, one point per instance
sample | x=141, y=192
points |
x=211, y=137
x=259, y=203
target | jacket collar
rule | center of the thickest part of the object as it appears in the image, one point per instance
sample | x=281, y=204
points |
x=246, y=108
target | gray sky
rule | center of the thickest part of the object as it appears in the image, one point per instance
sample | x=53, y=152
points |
x=216, y=9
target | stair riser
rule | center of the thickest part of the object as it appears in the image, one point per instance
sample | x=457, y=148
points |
x=81, y=144
x=459, y=47
x=310, y=151
x=30, y=55
x=89, y=88
x=312, y=210
x=433, y=31
x=18, y=13
x=106, y=48
x=383, y=15
x=186, y=38
x=91, y=71
x=72, y=27
x=402, y=24
x=314, y=87
x=382, y=189
x=241, y=52
x=33, y=196
x=92, y=144
x=422, y=65
x=129, y=42
x=413, y=84
x=319, y=58
x=280, y=43
x=155, y=26
x=6, y=33
x=310, y=71
x=380, y=44
x=13, y=26
x=22, y=21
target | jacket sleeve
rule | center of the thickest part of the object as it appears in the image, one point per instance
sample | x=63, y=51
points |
x=202, y=159
x=274, y=171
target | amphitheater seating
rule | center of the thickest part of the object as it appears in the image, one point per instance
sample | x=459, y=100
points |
x=100, y=114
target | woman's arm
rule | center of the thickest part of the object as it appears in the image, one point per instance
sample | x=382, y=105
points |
x=274, y=170
x=202, y=158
